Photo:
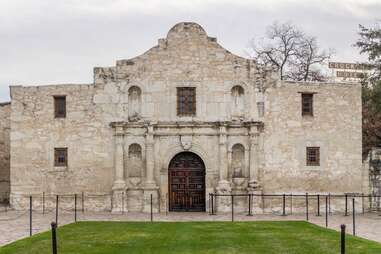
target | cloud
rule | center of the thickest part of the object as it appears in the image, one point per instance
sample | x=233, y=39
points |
x=49, y=41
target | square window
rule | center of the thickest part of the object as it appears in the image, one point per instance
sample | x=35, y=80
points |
x=313, y=156
x=186, y=101
x=307, y=104
x=59, y=106
x=60, y=157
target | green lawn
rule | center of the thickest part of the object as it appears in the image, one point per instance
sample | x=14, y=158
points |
x=192, y=237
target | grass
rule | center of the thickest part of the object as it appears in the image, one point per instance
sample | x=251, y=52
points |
x=291, y=237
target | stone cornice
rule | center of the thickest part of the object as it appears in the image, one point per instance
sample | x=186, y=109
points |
x=187, y=124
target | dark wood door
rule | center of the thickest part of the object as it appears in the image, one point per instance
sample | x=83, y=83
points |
x=186, y=183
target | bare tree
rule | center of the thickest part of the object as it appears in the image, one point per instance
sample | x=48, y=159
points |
x=291, y=52
x=306, y=65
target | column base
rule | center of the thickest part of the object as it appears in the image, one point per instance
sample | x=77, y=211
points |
x=119, y=201
x=147, y=192
x=223, y=202
x=257, y=202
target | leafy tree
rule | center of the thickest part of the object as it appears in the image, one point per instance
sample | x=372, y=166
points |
x=370, y=44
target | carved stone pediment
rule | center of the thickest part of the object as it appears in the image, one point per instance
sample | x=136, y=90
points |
x=186, y=142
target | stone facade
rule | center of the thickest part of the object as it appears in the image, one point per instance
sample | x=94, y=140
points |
x=123, y=130
x=5, y=127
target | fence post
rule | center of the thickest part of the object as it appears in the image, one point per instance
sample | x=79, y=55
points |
x=83, y=202
x=362, y=203
x=54, y=238
x=354, y=216
x=326, y=211
x=75, y=207
x=123, y=202
x=318, y=204
x=284, y=205
x=346, y=204
x=329, y=203
x=342, y=239
x=291, y=204
x=43, y=202
x=370, y=202
x=232, y=207
x=30, y=215
x=56, y=209
x=212, y=203
x=151, y=210
x=250, y=213
x=307, y=206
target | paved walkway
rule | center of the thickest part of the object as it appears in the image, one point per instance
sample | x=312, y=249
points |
x=14, y=225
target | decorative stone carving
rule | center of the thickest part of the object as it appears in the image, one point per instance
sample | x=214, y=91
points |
x=186, y=142
x=238, y=161
x=134, y=104
x=135, y=163
x=237, y=103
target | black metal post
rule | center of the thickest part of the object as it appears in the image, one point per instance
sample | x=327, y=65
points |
x=54, y=238
x=212, y=204
x=75, y=207
x=307, y=206
x=167, y=204
x=123, y=202
x=56, y=209
x=43, y=202
x=326, y=211
x=83, y=202
x=362, y=203
x=284, y=205
x=291, y=203
x=354, y=216
x=232, y=207
x=30, y=215
x=151, y=210
x=346, y=204
x=249, y=214
x=342, y=239
x=329, y=203
x=210, y=209
x=318, y=205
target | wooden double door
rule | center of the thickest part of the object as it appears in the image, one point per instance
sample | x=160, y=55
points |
x=186, y=183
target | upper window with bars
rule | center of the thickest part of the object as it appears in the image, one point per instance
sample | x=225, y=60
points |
x=186, y=101
x=60, y=106
x=307, y=104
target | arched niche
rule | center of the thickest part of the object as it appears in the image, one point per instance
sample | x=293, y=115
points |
x=135, y=161
x=238, y=161
x=134, y=103
x=237, y=101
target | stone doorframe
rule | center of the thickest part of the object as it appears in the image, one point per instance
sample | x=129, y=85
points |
x=146, y=131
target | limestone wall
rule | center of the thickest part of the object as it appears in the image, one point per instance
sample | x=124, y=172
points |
x=5, y=112
x=335, y=128
x=187, y=57
x=35, y=133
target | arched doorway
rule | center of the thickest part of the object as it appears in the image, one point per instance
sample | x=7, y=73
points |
x=186, y=175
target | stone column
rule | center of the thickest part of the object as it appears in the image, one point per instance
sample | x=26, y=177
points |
x=150, y=187
x=229, y=169
x=223, y=158
x=254, y=159
x=119, y=186
x=253, y=186
x=224, y=187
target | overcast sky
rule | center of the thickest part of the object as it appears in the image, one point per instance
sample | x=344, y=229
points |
x=47, y=42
